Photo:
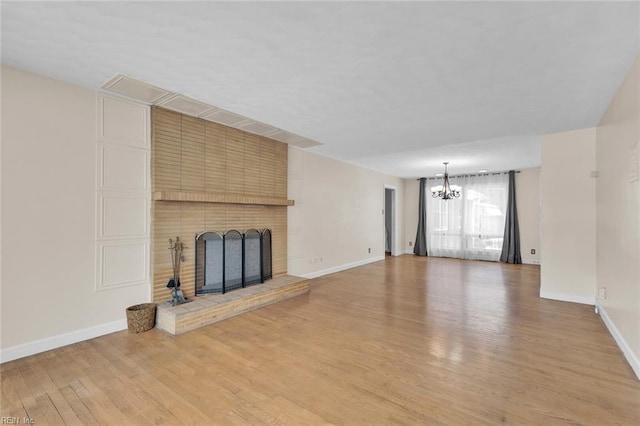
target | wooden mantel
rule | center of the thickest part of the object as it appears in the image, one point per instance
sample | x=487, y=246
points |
x=209, y=197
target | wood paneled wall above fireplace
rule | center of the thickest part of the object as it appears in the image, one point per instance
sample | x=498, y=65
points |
x=212, y=162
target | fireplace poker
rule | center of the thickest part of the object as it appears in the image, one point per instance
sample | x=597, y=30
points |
x=174, y=283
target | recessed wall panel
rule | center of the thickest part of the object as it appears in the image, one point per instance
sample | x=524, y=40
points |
x=122, y=264
x=123, y=122
x=122, y=168
x=123, y=216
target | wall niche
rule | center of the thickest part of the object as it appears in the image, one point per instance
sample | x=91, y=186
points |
x=241, y=177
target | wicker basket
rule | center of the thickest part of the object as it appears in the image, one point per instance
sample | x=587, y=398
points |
x=141, y=317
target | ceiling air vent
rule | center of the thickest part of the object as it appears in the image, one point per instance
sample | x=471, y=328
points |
x=304, y=143
x=134, y=89
x=257, y=128
x=185, y=105
x=225, y=117
x=279, y=135
x=292, y=139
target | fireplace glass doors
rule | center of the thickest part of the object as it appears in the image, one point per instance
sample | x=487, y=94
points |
x=232, y=260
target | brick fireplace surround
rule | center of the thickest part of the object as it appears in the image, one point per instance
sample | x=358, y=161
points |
x=210, y=177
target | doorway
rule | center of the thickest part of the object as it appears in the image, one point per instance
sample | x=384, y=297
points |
x=389, y=214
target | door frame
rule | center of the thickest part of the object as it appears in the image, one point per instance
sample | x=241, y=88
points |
x=394, y=219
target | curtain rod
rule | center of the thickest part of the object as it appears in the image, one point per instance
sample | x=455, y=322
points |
x=469, y=175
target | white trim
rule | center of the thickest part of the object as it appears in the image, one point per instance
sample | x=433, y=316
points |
x=341, y=267
x=46, y=344
x=585, y=300
x=530, y=262
x=406, y=252
x=632, y=359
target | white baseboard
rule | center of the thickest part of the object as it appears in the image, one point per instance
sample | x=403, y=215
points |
x=585, y=300
x=631, y=357
x=530, y=261
x=341, y=267
x=406, y=252
x=46, y=344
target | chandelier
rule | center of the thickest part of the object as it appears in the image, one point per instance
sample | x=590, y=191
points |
x=445, y=191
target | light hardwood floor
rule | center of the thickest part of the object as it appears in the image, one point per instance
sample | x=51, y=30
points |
x=406, y=340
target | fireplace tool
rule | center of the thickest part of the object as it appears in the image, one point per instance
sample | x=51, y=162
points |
x=177, y=296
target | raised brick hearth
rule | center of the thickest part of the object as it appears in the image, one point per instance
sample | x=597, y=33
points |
x=205, y=310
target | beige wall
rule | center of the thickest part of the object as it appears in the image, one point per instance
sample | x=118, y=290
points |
x=568, y=220
x=338, y=214
x=618, y=216
x=528, y=204
x=49, y=218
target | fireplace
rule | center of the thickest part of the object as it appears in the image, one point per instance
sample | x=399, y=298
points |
x=231, y=260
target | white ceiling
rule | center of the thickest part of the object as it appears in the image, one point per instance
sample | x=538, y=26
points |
x=394, y=86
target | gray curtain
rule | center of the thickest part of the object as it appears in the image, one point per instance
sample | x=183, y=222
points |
x=511, y=241
x=420, y=247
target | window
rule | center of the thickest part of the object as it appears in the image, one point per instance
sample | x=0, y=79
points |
x=472, y=226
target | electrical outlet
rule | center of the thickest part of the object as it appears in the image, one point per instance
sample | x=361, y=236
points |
x=533, y=251
x=602, y=293
x=410, y=243
x=369, y=249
